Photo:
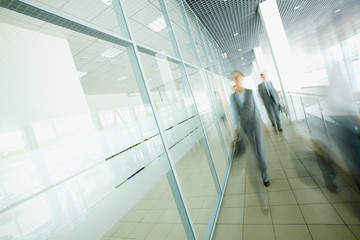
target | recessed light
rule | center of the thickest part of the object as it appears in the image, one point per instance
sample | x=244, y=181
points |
x=297, y=7
x=122, y=78
x=106, y=2
x=242, y=58
x=111, y=52
x=83, y=58
x=235, y=34
x=158, y=24
x=337, y=11
x=81, y=74
x=224, y=55
x=239, y=49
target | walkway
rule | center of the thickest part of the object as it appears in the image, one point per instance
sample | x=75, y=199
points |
x=299, y=205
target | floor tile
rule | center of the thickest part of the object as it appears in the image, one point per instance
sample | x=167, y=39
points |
x=278, y=185
x=302, y=182
x=293, y=232
x=159, y=231
x=257, y=215
x=235, y=189
x=141, y=230
x=335, y=232
x=346, y=194
x=312, y=195
x=277, y=174
x=349, y=212
x=228, y=232
x=125, y=229
x=296, y=172
x=256, y=199
x=320, y=214
x=235, y=200
x=355, y=230
x=282, y=197
x=259, y=232
x=231, y=216
x=292, y=164
x=290, y=214
x=177, y=232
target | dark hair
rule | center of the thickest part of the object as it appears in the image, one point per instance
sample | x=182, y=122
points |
x=236, y=72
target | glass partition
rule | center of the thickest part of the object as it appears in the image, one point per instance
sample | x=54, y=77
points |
x=209, y=119
x=78, y=137
x=178, y=117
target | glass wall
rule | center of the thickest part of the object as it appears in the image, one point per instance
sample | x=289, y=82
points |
x=112, y=121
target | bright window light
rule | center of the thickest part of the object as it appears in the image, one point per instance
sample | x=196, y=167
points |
x=81, y=74
x=111, y=52
x=122, y=78
x=158, y=24
x=106, y=2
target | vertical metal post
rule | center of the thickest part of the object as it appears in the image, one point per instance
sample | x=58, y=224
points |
x=323, y=119
x=188, y=86
x=204, y=82
x=307, y=120
x=292, y=103
x=147, y=98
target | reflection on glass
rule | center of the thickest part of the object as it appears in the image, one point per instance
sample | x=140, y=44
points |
x=178, y=117
x=148, y=25
x=209, y=120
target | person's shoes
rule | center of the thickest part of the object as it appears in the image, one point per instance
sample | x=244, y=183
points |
x=266, y=183
x=281, y=130
x=273, y=124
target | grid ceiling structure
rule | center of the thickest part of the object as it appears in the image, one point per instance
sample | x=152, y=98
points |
x=236, y=25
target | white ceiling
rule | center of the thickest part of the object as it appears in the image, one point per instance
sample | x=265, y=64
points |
x=103, y=72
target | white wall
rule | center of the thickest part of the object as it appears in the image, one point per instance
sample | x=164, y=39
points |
x=38, y=78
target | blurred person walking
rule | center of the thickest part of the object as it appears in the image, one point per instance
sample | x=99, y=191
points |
x=271, y=101
x=249, y=112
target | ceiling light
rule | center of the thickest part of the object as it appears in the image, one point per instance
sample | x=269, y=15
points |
x=122, y=78
x=337, y=11
x=81, y=74
x=158, y=24
x=242, y=58
x=297, y=7
x=235, y=34
x=106, y=2
x=111, y=52
x=224, y=55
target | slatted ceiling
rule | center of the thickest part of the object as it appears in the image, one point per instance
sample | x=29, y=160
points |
x=223, y=19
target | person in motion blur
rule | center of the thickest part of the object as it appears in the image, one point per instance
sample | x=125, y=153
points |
x=271, y=101
x=249, y=113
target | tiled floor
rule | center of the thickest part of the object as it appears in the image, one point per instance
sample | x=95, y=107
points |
x=296, y=205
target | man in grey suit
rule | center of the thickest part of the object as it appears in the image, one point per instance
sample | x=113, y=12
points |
x=271, y=101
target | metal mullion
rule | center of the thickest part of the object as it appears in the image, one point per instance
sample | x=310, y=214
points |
x=169, y=25
x=202, y=42
x=217, y=114
x=187, y=83
x=171, y=175
x=200, y=64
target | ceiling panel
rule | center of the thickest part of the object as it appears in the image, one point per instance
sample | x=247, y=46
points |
x=307, y=23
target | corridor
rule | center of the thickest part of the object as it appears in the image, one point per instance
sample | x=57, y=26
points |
x=300, y=206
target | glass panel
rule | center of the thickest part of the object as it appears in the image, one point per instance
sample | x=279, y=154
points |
x=77, y=144
x=208, y=117
x=148, y=25
x=220, y=103
x=178, y=117
x=181, y=31
x=97, y=12
x=197, y=37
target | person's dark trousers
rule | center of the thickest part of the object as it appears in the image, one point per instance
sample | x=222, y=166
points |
x=272, y=109
x=256, y=140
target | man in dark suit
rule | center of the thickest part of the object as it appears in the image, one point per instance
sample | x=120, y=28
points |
x=271, y=101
